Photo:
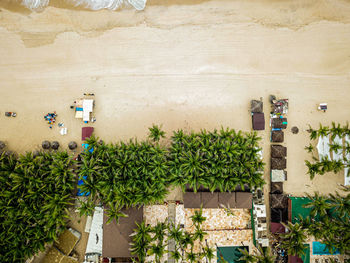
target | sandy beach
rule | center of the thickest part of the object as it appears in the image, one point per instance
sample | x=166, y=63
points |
x=184, y=64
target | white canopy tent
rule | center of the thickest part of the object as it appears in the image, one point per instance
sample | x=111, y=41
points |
x=323, y=147
x=338, y=156
x=94, y=245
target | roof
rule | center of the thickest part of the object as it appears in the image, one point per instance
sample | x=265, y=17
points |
x=227, y=199
x=116, y=237
x=276, y=188
x=277, y=228
x=258, y=120
x=277, y=136
x=278, y=201
x=244, y=200
x=256, y=106
x=278, y=163
x=86, y=132
x=210, y=200
x=192, y=200
x=279, y=123
x=278, y=176
x=278, y=151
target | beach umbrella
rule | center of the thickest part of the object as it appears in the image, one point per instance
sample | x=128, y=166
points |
x=55, y=145
x=2, y=145
x=72, y=145
x=295, y=130
x=46, y=145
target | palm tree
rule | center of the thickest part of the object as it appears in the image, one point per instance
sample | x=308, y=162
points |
x=141, y=240
x=309, y=148
x=208, y=253
x=336, y=130
x=340, y=204
x=265, y=255
x=313, y=133
x=159, y=231
x=156, y=133
x=198, y=218
x=114, y=213
x=313, y=168
x=318, y=204
x=323, y=131
x=246, y=257
x=158, y=250
x=293, y=240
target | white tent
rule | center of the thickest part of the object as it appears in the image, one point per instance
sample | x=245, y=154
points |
x=338, y=156
x=87, y=108
x=347, y=157
x=323, y=147
x=94, y=245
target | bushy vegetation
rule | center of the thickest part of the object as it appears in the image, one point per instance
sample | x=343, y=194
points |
x=324, y=165
x=139, y=173
x=124, y=174
x=35, y=193
x=216, y=160
x=148, y=241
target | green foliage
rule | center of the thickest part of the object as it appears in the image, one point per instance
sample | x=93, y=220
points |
x=264, y=255
x=156, y=133
x=141, y=240
x=34, y=197
x=293, y=240
x=125, y=174
x=217, y=160
x=329, y=220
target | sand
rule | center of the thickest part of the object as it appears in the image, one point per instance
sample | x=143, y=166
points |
x=184, y=64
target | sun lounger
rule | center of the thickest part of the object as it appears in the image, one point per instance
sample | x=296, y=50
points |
x=323, y=147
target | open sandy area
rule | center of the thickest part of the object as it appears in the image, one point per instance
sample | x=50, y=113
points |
x=191, y=66
x=184, y=64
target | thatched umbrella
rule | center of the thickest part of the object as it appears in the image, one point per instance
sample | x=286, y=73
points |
x=295, y=130
x=278, y=201
x=55, y=145
x=256, y=106
x=46, y=145
x=277, y=136
x=2, y=145
x=278, y=151
x=278, y=163
x=72, y=145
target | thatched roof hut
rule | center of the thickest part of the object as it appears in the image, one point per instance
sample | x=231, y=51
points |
x=278, y=163
x=258, y=121
x=278, y=151
x=279, y=215
x=277, y=136
x=46, y=145
x=55, y=145
x=72, y=145
x=244, y=200
x=256, y=106
x=278, y=201
x=277, y=188
x=279, y=123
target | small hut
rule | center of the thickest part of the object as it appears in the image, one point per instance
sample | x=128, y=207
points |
x=278, y=163
x=258, y=121
x=278, y=151
x=277, y=188
x=278, y=201
x=46, y=145
x=256, y=106
x=279, y=123
x=277, y=136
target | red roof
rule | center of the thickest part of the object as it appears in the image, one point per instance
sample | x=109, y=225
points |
x=86, y=132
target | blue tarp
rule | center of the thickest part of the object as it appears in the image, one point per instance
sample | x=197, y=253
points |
x=80, y=193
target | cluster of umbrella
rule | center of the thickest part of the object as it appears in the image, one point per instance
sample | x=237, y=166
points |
x=55, y=145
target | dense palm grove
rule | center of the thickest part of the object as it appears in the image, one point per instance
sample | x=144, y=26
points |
x=35, y=192
x=37, y=189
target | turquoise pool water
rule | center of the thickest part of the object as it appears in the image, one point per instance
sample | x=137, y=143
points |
x=320, y=249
